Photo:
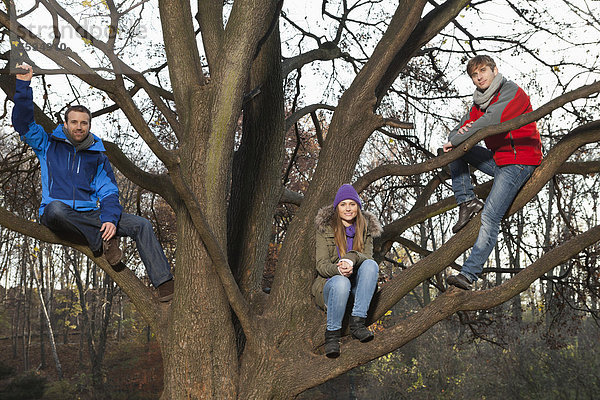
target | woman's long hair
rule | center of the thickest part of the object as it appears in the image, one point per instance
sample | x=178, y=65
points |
x=339, y=232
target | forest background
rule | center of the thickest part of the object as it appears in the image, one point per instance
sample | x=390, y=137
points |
x=271, y=105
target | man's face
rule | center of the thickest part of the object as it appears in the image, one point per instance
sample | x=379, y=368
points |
x=78, y=125
x=482, y=76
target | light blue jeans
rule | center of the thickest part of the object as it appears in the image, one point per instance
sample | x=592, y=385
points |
x=361, y=284
x=61, y=218
x=508, y=180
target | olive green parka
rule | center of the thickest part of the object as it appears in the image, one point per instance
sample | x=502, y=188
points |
x=326, y=251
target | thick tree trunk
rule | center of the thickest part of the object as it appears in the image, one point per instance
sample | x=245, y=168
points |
x=256, y=183
x=258, y=373
x=198, y=345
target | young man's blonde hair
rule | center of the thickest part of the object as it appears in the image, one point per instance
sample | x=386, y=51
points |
x=480, y=61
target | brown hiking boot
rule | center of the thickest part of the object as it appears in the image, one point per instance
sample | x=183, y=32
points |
x=466, y=211
x=165, y=291
x=112, y=252
x=460, y=281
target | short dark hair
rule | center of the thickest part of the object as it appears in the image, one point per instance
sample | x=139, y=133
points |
x=78, y=108
x=480, y=60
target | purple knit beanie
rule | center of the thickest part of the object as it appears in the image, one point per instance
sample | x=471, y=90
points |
x=346, y=192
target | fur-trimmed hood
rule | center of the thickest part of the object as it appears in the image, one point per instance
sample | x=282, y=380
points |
x=325, y=214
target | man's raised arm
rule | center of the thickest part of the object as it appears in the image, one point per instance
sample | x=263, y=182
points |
x=22, y=115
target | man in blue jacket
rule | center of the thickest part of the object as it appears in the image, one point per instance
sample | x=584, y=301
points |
x=79, y=191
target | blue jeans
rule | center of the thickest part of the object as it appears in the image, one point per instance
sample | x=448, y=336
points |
x=61, y=218
x=337, y=289
x=508, y=180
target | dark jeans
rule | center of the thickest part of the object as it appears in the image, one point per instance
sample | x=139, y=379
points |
x=61, y=218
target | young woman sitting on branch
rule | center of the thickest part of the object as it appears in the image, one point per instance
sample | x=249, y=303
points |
x=344, y=251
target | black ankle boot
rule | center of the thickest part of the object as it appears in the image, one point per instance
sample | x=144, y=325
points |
x=466, y=211
x=332, y=343
x=359, y=330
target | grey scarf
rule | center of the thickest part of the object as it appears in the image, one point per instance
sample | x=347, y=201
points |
x=79, y=146
x=483, y=99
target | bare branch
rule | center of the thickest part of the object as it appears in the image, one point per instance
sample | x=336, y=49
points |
x=405, y=281
x=295, y=117
x=326, y=51
x=396, y=123
x=160, y=184
x=291, y=197
x=139, y=294
x=442, y=307
x=405, y=170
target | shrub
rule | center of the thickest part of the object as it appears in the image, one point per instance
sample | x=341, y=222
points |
x=5, y=371
x=28, y=386
x=60, y=390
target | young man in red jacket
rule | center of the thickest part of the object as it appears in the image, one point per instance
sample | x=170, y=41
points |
x=510, y=157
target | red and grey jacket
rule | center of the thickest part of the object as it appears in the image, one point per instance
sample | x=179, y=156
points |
x=520, y=146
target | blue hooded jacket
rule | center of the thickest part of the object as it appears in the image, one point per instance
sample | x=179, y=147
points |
x=84, y=180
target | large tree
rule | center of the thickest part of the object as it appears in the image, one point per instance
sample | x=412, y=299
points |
x=223, y=336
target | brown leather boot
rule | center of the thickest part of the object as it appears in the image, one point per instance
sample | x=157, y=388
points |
x=460, y=281
x=111, y=251
x=466, y=211
x=166, y=290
